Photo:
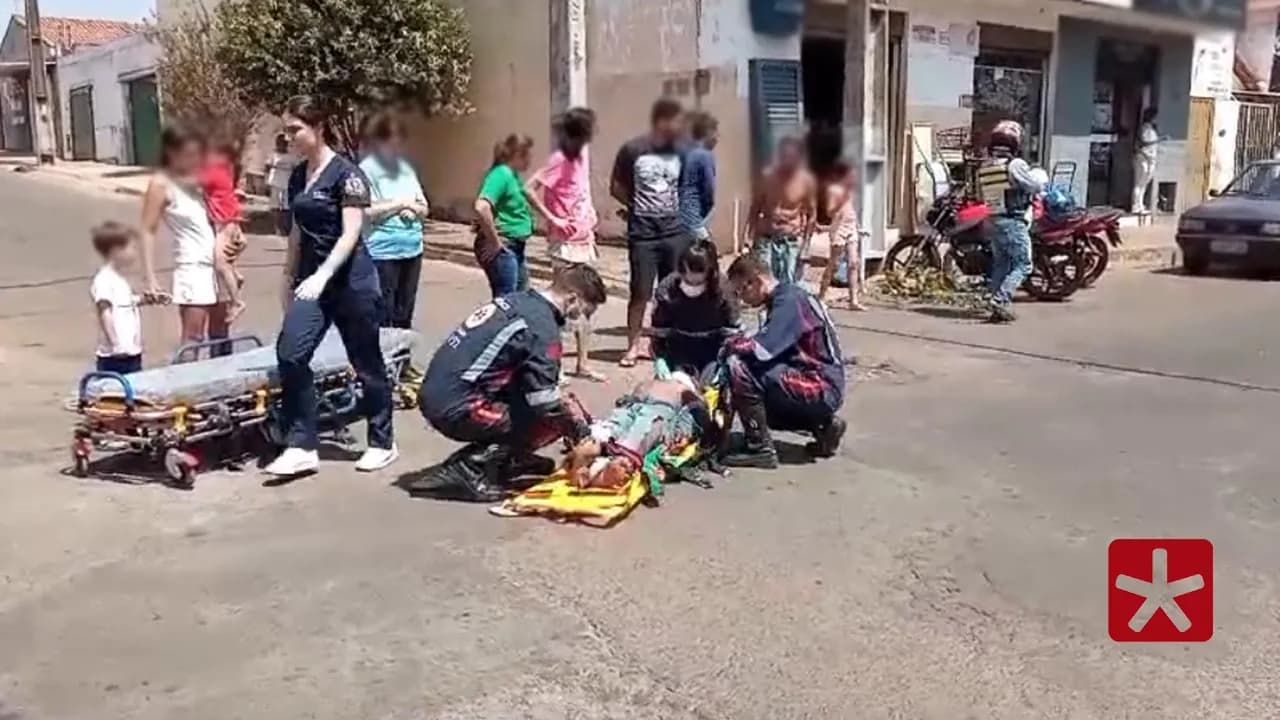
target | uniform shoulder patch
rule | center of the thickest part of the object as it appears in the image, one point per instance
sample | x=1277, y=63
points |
x=480, y=316
x=354, y=185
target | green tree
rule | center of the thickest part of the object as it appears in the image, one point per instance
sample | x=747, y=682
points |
x=357, y=55
x=197, y=91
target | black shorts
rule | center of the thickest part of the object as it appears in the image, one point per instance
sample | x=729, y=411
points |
x=652, y=259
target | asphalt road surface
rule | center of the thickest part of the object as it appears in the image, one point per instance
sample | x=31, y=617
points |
x=950, y=563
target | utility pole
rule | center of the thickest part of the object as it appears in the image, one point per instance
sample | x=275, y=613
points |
x=42, y=139
x=568, y=54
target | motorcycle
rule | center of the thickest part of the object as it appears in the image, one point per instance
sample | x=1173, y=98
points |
x=1094, y=231
x=1057, y=265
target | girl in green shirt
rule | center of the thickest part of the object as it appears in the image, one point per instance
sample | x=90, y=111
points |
x=505, y=221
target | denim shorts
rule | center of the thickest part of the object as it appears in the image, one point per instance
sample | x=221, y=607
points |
x=508, y=272
x=781, y=253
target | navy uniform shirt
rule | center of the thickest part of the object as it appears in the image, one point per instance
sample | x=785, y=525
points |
x=507, y=349
x=317, y=215
x=799, y=333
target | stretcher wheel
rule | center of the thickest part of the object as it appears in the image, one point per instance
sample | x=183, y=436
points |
x=181, y=467
x=81, y=448
x=79, y=464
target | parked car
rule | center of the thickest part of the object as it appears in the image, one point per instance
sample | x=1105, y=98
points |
x=1239, y=225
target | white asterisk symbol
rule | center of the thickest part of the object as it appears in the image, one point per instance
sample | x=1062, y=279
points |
x=1159, y=593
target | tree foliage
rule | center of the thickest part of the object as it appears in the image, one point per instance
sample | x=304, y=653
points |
x=357, y=55
x=196, y=88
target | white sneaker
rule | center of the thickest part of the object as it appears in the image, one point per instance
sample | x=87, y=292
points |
x=374, y=459
x=294, y=461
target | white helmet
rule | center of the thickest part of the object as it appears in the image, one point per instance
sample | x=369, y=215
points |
x=1010, y=131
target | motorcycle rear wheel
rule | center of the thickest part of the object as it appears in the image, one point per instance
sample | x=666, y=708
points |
x=911, y=252
x=1055, y=274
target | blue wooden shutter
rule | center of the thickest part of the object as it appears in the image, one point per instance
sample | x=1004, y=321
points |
x=777, y=108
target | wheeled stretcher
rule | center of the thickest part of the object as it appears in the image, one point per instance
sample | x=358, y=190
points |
x=167, y=412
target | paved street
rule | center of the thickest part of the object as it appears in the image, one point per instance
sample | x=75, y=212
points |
x=951, y=563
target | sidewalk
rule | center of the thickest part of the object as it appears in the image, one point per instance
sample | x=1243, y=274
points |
x=1143, y=245
x=127, y=180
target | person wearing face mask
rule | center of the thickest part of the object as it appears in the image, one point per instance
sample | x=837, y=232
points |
x=691, y=308
x=494, y=384
x=394, y=222
x=790, y=374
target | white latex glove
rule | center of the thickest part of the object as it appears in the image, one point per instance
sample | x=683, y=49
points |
x=311, y=288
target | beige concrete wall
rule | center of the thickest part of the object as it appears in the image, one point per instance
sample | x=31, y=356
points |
x=633, y=50
x=510, y=91
x=639, y=50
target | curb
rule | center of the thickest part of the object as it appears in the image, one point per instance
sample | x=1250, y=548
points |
x=538, y=269
x=258, y=219
x=1159, y=256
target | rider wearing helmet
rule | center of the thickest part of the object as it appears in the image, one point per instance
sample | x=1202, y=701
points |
x=1007, y=184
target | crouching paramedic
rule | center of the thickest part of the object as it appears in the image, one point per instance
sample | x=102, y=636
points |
x=790, y=374
x=494, y=384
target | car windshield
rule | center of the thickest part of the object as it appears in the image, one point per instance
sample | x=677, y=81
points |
x=1258, y=180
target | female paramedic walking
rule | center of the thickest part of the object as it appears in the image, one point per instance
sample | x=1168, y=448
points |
x=329, y=279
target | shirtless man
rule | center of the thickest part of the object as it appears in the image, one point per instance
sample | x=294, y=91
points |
x=783, y=212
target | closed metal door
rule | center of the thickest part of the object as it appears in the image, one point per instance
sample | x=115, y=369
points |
x=82, y=136
x=1256, y=136
x=144, y=121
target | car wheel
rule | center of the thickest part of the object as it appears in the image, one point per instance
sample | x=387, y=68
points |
x=1195, y=264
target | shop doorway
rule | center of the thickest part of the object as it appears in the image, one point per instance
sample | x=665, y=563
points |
x=822, y=58
x=1009, y=84
x=1125, y=82
x=822, y=63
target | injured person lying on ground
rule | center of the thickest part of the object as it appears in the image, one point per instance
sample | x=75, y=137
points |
x=668, y=411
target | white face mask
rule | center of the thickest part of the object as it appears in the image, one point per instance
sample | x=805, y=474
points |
x=692, y=291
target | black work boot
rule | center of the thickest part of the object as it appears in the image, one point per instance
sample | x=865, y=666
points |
x=527, y=465
x=758, y=451
x=826, y=439
x=469, y=474
x=1001, y=314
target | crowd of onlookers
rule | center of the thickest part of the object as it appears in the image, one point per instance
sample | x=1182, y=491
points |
x=356, y=241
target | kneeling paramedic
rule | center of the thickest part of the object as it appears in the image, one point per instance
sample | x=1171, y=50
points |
x=494, y=384
x=790, y=374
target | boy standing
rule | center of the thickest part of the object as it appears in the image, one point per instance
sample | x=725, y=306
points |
x=116, y=305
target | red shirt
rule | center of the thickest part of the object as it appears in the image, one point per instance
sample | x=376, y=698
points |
x=219, y=182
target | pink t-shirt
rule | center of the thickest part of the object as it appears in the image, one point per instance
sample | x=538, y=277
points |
x=567, y=193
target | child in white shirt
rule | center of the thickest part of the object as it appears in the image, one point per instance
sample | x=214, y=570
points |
x=115, y=303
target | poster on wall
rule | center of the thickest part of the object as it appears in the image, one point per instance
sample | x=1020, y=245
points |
x=964, y=39
x=1211, y=69
x=926, y=34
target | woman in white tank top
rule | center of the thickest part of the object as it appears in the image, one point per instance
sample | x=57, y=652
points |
x=173, y=210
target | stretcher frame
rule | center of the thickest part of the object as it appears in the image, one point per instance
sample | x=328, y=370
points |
x=173, y=435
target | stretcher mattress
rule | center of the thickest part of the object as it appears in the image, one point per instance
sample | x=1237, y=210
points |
x=238, y=374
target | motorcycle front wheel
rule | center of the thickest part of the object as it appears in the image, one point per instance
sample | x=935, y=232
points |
x=1097, y=255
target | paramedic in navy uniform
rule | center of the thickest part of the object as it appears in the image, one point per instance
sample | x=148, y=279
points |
x=329, y=279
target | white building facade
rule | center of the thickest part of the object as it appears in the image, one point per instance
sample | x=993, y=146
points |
x=105, y=93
